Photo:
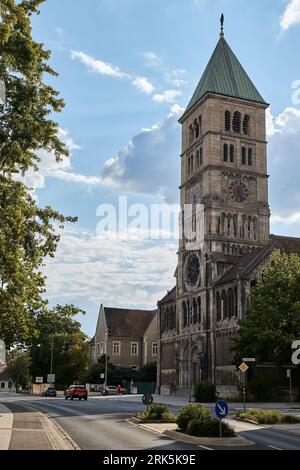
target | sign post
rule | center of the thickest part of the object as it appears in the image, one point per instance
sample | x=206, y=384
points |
x=39, y=380
x=51, y=378
x=243, y=368
x=221, y=410
x=289, y=376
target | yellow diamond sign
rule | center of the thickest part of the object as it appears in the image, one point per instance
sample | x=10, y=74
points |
x=243, y=367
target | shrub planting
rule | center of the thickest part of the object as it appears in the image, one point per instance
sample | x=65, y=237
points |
x=189, y=413
x=268, y=417
x=209, y=427
x=205, y=392
x=158, y=412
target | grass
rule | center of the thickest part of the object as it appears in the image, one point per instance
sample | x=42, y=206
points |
x=268, y=417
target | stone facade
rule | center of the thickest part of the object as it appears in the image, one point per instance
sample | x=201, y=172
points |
x=128, y=337
x=224, y=168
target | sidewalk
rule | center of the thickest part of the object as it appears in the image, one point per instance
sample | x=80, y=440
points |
x=23, y=428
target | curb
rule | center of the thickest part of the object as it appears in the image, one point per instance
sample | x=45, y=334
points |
x=213, y=441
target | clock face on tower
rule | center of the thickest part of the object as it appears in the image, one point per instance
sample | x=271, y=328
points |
x=192, y=269
x=238, y=191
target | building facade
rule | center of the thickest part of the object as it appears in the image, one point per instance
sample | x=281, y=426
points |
x=224, y=172
x=127, y=336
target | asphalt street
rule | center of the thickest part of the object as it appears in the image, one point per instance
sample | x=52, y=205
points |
x=102, y=425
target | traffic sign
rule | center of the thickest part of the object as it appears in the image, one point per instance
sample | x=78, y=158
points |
x=249, y=359
x=221, y=409
x=243, y=367
x=102, y=376
x=51, y=378
x=39, y=380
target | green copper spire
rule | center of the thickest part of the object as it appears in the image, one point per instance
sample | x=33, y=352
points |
x=224, y=75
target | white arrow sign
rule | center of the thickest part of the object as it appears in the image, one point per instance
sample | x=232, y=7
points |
x=222, y=410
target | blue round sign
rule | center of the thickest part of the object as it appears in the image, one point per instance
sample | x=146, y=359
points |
x=221, y=409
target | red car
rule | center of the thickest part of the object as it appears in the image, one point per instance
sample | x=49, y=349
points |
x=76, y=391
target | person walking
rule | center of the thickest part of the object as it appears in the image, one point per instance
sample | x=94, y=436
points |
x=118, y=391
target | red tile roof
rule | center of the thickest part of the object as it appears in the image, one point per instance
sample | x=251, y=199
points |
x=128, y=323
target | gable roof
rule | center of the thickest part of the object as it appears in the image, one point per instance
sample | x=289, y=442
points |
x=123, y=322
x=169, y=297
x=224, y=75
x=287, y=244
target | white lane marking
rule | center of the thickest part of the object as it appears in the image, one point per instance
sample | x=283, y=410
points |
x=206, y=448
x=273, y=447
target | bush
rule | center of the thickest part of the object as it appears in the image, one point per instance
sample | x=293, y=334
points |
x=289, y=419
x=209, y=427
x=158, y=412
x=265, y=389
x=205, y=392
x=189, y=413
x=261, y=416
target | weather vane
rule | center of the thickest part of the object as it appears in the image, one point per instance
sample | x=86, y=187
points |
x=222, y=24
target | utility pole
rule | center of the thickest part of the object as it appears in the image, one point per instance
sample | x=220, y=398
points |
x=105, y=372
x=51, y=360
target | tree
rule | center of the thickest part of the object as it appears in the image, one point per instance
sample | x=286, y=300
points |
x=19, y=369
x=273, y=320
x=25, y=125
x=26, y=237
x=69, y=345
x=27, y=233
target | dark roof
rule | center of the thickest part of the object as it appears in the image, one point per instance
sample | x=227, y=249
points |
x=287, y=244
x=224, y=75
x=4, y=375
x=169, y=297
x=242, y=266
x=128, y=323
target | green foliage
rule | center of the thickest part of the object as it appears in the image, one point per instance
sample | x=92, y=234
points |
x=25, y=124
x=116, y=375
x=205, y=392
x=69, y=345
x=158, y=412
x=190, y=412
x=209, y=427
x=264, y=388
x=261, y=416
x=18, y=367
x=289, y=419
x=273, y=321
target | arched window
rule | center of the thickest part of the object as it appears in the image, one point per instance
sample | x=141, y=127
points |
x=250, y=156
x=231, y=153
x=191, y=134
x=246, y=124
x=235, y=302
x=224, y=304
x=184, y=314
x=236, y=122
x=218, y=301
x=192, y=163
x=227, y=121
x=243, y=155
x=199, y=310
x=195, y=314
x=230, y=303
x=225, y=152
x=196, y=127
x=201, y=156
x=197, y=158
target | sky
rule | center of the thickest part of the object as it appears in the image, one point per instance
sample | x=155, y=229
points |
x=127, y=69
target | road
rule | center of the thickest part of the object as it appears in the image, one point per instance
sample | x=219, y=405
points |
x=102, y=425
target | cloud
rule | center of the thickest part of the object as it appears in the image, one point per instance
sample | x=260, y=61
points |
x=175, y=77
x=168, y=96
x=143, y=84
x=149, y=163
x=107, y=69
x=49, y=167
x=291, y=15
x=152, y=59
x=89, y=269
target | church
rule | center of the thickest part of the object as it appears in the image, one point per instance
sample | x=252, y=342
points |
x=224, y=169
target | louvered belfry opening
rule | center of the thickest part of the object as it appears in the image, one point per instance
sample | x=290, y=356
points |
x=246, y=124
x=227, y=121
x=236, y=122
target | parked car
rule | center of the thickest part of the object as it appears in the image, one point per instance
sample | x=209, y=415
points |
x=50, y=392
x=112, y=390
x=76, y=391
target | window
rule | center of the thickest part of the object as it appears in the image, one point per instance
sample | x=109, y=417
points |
x=192, y=163
x=225, y=152
x=197, y=158
x=2, y=384
x=246, y=124
x=201, y=156
x=134, y=349
x=191, y=134
x=236, y=122
x=189, y=165
x=243, y=155
x=154, y=349
x=197, y=130
x=101, y=348
x=116, y=348
x=250, y=156
x=231, y=153
x=98, y=349
x=227, y=120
